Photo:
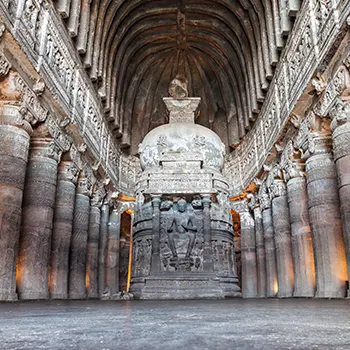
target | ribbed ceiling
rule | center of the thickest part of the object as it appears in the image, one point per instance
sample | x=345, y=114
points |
x=132, y=49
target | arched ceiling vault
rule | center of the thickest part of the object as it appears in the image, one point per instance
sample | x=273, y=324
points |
x=132, y=49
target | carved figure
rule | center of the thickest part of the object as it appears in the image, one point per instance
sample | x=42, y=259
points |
x=182, y=225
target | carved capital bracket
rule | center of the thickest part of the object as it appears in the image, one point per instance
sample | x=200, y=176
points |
x=338, y=86
x=11, y=115
x=98, y=193
x=57, y=133
x=86, y=181
x=291, y=163
x=340, y=113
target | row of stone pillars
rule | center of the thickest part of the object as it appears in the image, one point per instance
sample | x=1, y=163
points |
x=295, y=230
x=55, y=240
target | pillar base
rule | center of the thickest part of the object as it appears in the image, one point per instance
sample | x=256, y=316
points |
x=34, y=296
x=6, y=296
x=284, y=296
x=330, y=295
x=59, y=296
x=74, y=296
x=93, y=296
x=303, y=295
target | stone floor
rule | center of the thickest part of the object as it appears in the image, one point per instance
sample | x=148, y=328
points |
x=228, y=324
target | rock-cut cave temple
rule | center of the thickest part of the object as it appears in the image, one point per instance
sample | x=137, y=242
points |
x=174, y=149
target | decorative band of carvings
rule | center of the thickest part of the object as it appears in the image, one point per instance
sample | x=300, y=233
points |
x=38, y=29
x=315, y=30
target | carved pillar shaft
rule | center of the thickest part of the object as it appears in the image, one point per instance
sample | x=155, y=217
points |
x=113, y=252
x=77, y=276
x=248, y=256
x=103, y=244
x=62, y=230
x=341, y=151
x=303, y=254
x=207, y=251
x=92, y=257
x=325, y=221
x=14, y=146
x=37, y=219
x=155, y=263
x=283, y=243
x=260, y=252
x=270, y=253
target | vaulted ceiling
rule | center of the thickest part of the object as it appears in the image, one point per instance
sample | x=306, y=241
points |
x=132, y=49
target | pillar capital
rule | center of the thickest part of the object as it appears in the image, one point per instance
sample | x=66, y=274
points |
x=240, y=206
x=98, y=194
x=156, y=199
x=264, y=198
x=253, y=201
x=340, y=114
x=45, y=147
x=85, y=182
x=206, y=201
x=68, y=171
x=291, y=163
x=278, y=188
x=12, y=115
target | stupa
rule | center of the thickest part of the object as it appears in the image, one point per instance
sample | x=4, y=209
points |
x=183, y=234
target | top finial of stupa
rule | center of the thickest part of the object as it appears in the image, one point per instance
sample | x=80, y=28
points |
x=178, y=87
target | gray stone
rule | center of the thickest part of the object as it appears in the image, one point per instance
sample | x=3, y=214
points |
x=37, y=220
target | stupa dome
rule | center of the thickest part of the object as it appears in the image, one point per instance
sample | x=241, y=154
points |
x=182, y=139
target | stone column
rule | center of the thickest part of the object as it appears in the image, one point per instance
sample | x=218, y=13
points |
x=248, y=252
x=102, y=253
x=78, y=254
x=303, y=254
x=324, y=211
x=37, y=219
x=208, y=265
x=93, y=240
x=260, y=251
x=113, y=252
x=14, y=146
x=283, y=240
x=270, y=250
x=340, y=126
x=155, y=262
x=62, y=229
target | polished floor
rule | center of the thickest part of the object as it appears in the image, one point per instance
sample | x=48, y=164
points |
x=183, y=325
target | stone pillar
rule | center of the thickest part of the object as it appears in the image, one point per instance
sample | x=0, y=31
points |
x=303, y=254
x=248, y=253
x=102, y=253
x=78, y=254
x=62, y=229
x=324, y=211
x=260, y=252
x=270, y=251
x=282, y=237
x=93, y=241
x=14, y=146
x=155, y=263
x=340, y=126
x=208, y=264
x=37, y=219
x=113, y=252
